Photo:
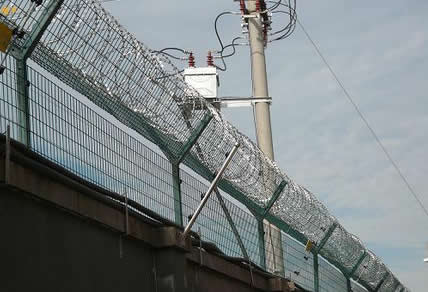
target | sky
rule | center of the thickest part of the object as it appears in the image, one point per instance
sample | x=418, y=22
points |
x=379, y=50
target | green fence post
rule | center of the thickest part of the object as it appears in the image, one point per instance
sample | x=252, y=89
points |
x=21, y=56
x=178, y=204
x=22, y=84
x=325, y=238
x=176, y=161
x=39, y=29
x=381, y=282
x=348, y=285
x=262, y=248
x=316, y=273
x=359, y=262
x=274, y=198
x=194, y=136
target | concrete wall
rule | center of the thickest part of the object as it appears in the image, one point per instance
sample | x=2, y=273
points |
x=60, y=233
x=45, y=249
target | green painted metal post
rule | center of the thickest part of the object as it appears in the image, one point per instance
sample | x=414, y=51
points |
x=176, y=161
x=23, y=102
x=359, y=262
x=274, y=198
x=348, y=285
x=316, y=274
x=381, y=282
x=21, y=56
x=178, y=204
x=39, y=29
x=194, y=136
x=326, y=237
x=262, y=248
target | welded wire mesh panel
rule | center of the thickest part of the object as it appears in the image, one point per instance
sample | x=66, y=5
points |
x=70, y=133
x=213, y=223
x=330, y=278
x=11, y=113
x=87, y=49
x=247, y=229
x=298, y=264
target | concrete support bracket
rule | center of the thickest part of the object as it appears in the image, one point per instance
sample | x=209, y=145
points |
x=171, y=237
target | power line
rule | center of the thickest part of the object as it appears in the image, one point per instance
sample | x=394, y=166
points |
x=354, y=104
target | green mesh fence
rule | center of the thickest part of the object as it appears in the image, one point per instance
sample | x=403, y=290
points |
x=83, y=46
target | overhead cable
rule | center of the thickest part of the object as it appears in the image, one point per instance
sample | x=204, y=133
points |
x=366, y=122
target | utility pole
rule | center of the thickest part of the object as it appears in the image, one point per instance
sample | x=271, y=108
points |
x=274, y=251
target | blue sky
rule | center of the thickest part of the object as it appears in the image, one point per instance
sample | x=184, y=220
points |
x=379, y=49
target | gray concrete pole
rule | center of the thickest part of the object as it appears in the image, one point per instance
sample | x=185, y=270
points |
x=274, y=251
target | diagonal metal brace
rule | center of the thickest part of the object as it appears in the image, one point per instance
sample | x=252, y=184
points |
x=274, y=198
x=210, y=190
x=235, y=231
x=326, y=237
